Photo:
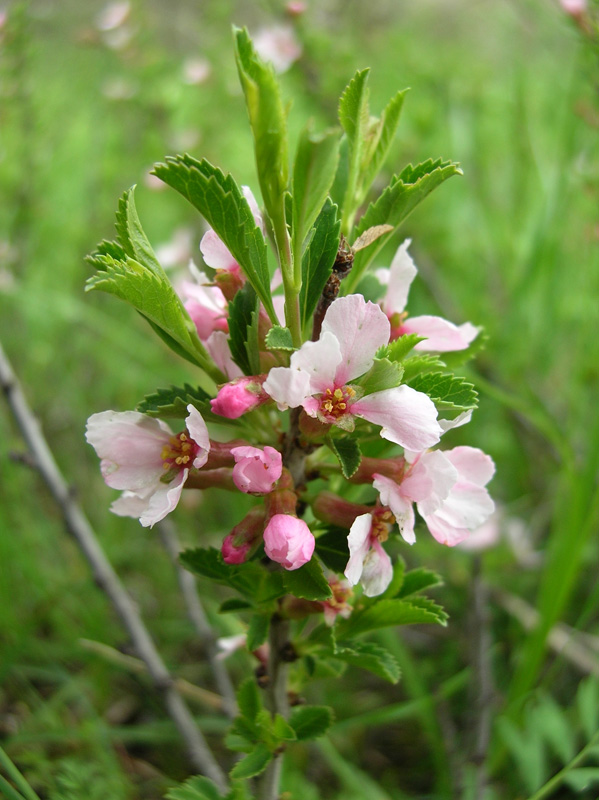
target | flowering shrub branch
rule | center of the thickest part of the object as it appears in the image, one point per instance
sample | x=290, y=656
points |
x=337, y=404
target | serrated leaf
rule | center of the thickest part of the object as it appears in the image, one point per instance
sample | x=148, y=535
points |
x=354, y=115
x=156, y=300
x=379, y=141
x=313, y=173
x=196, y=788
x=279, y=338
x=397, y=201
x=392, y=612
x=248, y=699
x=318, y=259
x=257, y=631
x=253, y=764
x=587, y=703
x=221, y=202
x=426, y=362
x=446, y=391
x=173, y=402
x=310, y=722
x=208, y=563
x=282, y=730
x=582, y=778
x=243, y=330
x=333, y=550
x=370, y=656
x=307, y=582
x=399, y=348
x=416, y=580
x=383, y=374
x=267, y=120
x=132, y=237
x=348, y=453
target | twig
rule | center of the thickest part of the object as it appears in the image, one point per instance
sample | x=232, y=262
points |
x=562, y=639
x=105, y=576
x=196, y=614
x=136, y=665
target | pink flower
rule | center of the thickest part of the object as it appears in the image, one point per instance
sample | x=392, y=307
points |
x=320, y=374
x=288, y=541
x=441, y=336
x=256, y=471
x=279, y=45
x=238, y=397
x=216, y=254
x=204, y=302
x=337, y=605
x=368, y=563
x=448, y=488
x=143, y=458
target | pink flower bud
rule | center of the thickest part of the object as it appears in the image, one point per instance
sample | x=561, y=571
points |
x=288, y=541
x=238, y=397
x=239, y=545
x=256, y=471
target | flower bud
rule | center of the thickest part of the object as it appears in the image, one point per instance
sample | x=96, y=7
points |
x=288, y=541
x=256, y=471
x=243, y=540
x=238, y=397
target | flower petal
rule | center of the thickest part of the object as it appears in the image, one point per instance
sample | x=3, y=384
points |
x=403, y=511
x=358, y=542
x=215, y=252
x=361, y=328
x=407, y=417
x=472, y=464
x=287, y=387
x=430, y=480
x=441, y=335
x=320, y=360
x=217, y=345
x=377, y=571
x=164, y=500
x=198, y=431
x=401, y=274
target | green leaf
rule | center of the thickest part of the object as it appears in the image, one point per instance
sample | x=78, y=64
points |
x=132, y=238
x=208, y=563
x=310, y=722
x=196, y=788
x=427, y=362
x=257, y=631
x=446, y=391
x=253, y=764
x=347, y=450
x=234, y=604
x=399, y=348
x=393, y=612
x=370, y=656
x=332, y=549
x=313, y=173
x=398, y=200
x=243, y=322
x=282, y=730
x=307, y=582
x=383, y=374
x=587, y=703
x=418, y=579
x=220, y=200
x=549, y=718
x=173, y=402
x=582, y=778
x=248, y=699
x=153, y=296
x=318, y=259
x=354, y=115
x=267, y=120
x=279, y=338
x=380, y=137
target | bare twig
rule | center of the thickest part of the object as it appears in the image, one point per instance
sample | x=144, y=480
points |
x=105, y=576
x=196, y=614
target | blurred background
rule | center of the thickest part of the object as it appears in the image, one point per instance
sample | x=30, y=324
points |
x=91, y=95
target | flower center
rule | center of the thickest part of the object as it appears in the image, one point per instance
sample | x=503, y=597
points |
x=381, y=525
x=179, y=452
x=334, y=402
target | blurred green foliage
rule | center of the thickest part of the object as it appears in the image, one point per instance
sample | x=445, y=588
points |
x=508, y=90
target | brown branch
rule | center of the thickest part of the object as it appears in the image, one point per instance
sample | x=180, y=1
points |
x=105, y=576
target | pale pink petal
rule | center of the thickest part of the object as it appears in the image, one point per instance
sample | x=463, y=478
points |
x=403, y=511
x=288, y=541
x=278, y=302
x=237, y=398
x=164, y=500
x=215, y=252
x=254, y=208
x=217, y=344
x=484, y=537
x=130, y=504
x=407, y=417
x=402, y=273
x=430, y=481
x=198, y=431
x=467, y=506
x=279, y=45
x=377, y=571
x=358, y=542
x=472, y=464
x=256, y=470
x=320, y=360
x=129, y=445
x=457, y=422
x=441, y=335
x=360, y=328
x=445, y=533
x=287, y=387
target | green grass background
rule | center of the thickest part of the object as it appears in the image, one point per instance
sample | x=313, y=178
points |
x=508, y=89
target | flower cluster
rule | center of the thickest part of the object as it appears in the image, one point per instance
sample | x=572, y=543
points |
x=342, y=385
